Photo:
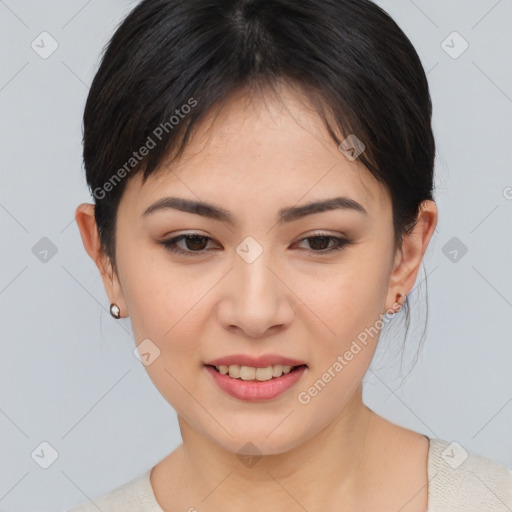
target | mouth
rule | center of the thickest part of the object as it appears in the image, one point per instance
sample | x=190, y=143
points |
x=258, y=374
x=256, y=384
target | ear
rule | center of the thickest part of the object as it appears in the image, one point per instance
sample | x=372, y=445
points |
x=84, y=217
x=409, y=257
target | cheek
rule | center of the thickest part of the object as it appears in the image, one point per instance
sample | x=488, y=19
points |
x=344, y=344
x=348, y=305
x=350, y=298
x=169, y=315
x=167, y=305
x=165, y=308
x=158, y=294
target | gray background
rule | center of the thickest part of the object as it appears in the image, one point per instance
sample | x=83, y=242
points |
x=68, y=375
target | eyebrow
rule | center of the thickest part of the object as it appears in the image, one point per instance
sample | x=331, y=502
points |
x=288, y=214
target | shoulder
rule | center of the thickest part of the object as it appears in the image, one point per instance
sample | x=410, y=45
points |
x=134, y=496
x=462, y=481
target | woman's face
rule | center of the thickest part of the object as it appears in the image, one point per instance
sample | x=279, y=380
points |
x=256, y=285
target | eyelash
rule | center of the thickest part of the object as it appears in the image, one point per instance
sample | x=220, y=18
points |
x=171, y=244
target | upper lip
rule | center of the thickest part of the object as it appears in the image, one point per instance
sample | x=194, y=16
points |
x=256, y=362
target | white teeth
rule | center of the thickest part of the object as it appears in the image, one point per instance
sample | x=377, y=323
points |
x=264, y=373
x=236, y=371
x=246, y=372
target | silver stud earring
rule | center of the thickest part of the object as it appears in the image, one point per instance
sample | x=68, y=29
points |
x=115, y=311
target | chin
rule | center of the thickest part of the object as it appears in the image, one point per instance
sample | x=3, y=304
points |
x=259, y=444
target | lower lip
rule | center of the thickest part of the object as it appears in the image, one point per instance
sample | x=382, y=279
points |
x=254, y=390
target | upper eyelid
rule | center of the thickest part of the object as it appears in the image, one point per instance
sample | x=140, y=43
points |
x=320, y=232
x=303, y=237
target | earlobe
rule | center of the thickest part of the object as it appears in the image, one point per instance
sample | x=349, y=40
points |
x=86, y=222
x=409, y=257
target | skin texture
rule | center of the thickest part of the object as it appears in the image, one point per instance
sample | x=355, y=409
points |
x=260, y=155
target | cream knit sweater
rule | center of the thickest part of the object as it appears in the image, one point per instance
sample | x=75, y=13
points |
x=458, y=482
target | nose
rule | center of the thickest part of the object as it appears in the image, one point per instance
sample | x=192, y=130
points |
x=256, y=299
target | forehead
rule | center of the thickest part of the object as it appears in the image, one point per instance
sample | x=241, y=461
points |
x=265, y=149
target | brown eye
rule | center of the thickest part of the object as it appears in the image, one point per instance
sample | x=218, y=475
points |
x=320, y=243
x=194, y=243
